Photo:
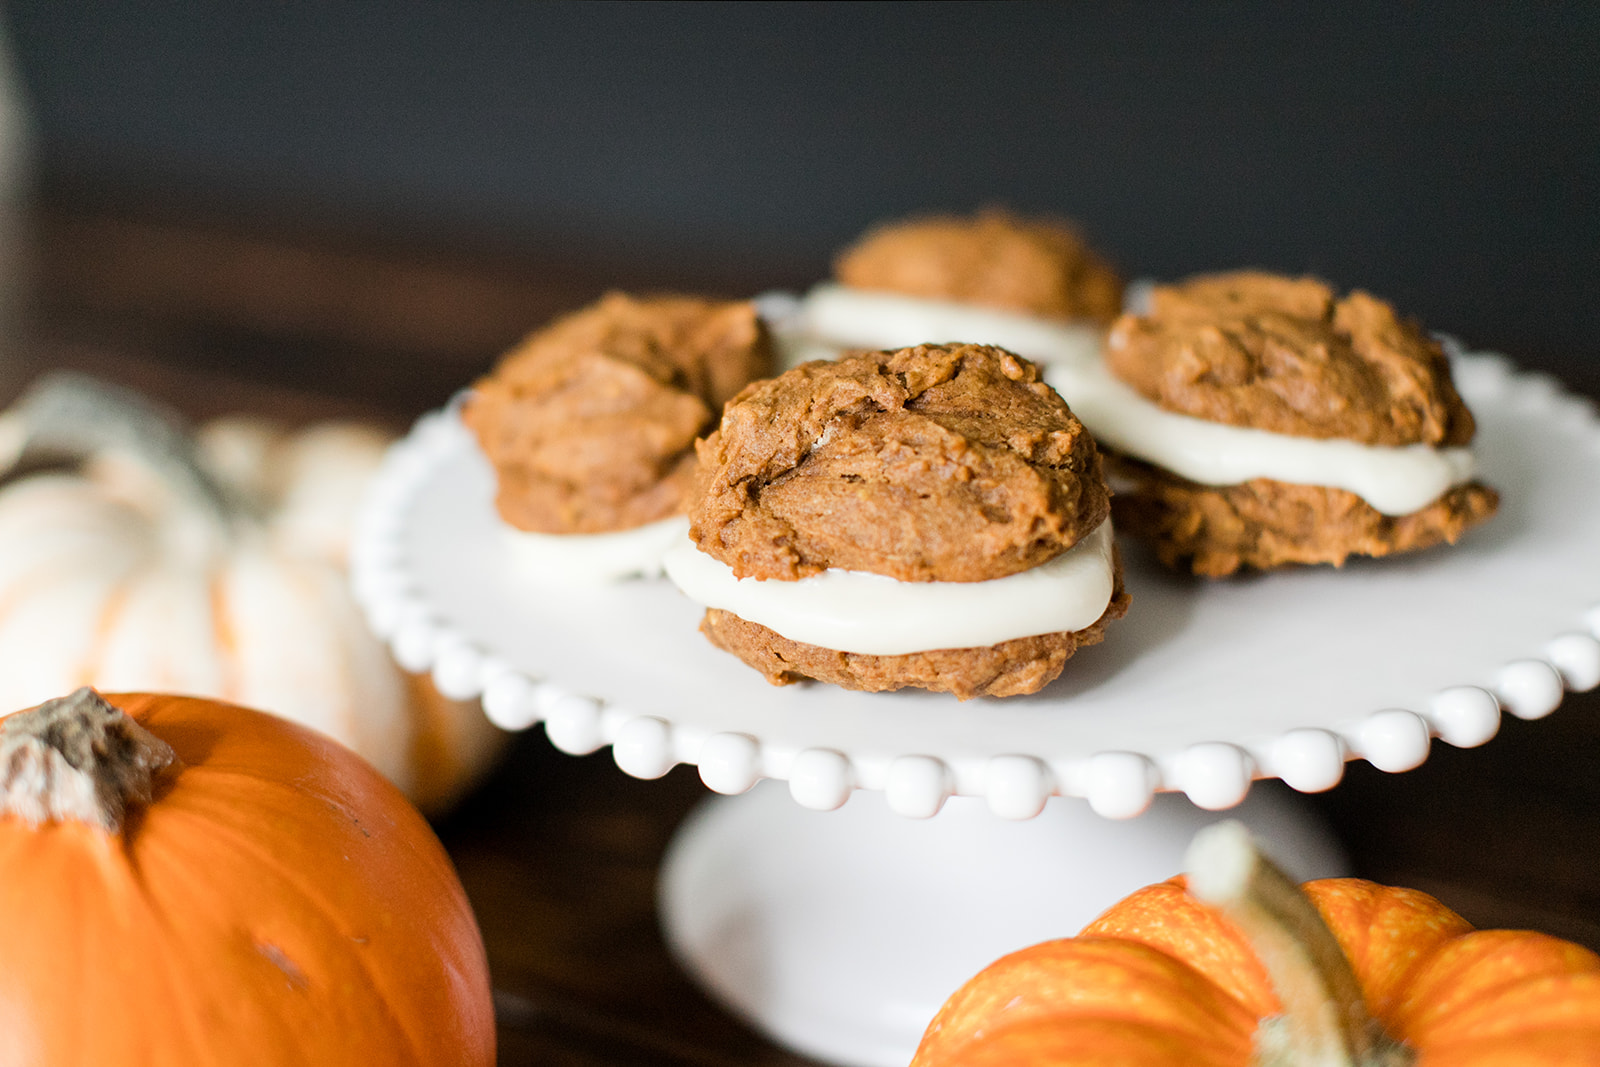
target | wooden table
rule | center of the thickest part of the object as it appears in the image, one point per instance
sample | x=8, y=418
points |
x=559, y=854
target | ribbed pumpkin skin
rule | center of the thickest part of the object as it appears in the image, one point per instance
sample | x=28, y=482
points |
x=278, y=903
x=1162, y=981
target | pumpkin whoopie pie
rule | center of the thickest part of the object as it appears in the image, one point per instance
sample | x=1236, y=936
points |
x=1278, y=423
x=931, y=517
x=1028, y=284
x=590, y=423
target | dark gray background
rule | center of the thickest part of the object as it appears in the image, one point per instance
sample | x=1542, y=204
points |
x=1444, y=156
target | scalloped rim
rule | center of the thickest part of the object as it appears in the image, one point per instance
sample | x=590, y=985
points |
x=1214, y=775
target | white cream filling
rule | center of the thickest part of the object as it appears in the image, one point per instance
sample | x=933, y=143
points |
x=842, y=317
x=593, y=559
x=1394, y=480
x=870, y=614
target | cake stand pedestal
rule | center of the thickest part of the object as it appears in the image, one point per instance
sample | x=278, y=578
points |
x=820, y=927
x=839, y=934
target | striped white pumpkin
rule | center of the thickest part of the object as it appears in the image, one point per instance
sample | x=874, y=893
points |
x=116, y=576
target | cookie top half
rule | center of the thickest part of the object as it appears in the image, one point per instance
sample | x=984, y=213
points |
x=591, y=422
x=1036, y=266
x=935, y=463
x=1287, y=355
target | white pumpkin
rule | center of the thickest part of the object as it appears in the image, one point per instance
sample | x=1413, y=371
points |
x=213, y=567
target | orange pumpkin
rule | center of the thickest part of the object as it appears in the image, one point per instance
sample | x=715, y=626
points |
x=189, y=882
x=1344, y=973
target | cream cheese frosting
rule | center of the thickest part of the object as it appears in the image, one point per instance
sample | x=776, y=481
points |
x=838, y=316
x=592, y=559
x=1394, y=480
x=871, y=614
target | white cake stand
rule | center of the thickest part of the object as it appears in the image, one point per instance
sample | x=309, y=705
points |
x=840, y=934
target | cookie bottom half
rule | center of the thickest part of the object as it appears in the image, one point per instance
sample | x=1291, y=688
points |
x=1261, y=524
x=1010, y=668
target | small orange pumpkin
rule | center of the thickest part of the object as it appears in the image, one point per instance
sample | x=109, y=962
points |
x=1336, y=973
x=189, y=882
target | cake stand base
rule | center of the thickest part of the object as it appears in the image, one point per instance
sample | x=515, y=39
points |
x=839, y=934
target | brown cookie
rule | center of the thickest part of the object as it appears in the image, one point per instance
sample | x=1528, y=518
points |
x=1261, y=524
x=590, y=423
x=1011, y=668
x=995, y=259
x=949, y=463
x=1282, y=354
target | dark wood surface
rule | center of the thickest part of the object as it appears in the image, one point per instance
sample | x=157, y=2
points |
x=558, y=854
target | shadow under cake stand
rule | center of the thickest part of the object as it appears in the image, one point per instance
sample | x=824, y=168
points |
x=838, y=927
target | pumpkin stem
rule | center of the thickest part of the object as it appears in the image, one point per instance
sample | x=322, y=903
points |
x=77, y=757
x=74, y=416
x=1325, y=1021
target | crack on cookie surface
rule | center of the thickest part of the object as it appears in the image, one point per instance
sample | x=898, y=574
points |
x=933, y=463
x=1288, y=356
